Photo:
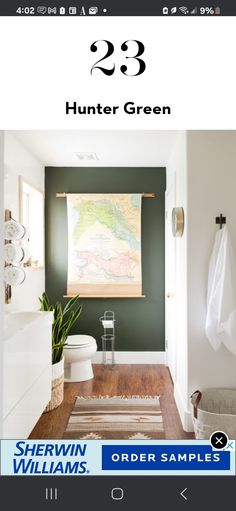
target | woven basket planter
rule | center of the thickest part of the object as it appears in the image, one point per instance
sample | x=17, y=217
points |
x=57, y=386
x=214, y=410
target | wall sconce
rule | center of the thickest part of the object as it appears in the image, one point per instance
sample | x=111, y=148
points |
x=177, y=222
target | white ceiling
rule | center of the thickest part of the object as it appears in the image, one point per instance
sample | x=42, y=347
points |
x=115, y=148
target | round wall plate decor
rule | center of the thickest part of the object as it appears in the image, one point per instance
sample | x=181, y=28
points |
x=177, y=222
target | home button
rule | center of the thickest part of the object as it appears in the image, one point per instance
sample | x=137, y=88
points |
x=117, y=493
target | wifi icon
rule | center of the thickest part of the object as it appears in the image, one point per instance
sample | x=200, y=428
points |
x=184, y=10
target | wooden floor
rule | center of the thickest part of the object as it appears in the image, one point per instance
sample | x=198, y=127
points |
x=122, y=379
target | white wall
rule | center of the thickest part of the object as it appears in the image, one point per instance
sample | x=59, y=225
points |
x=19, y=161
x=177, y=165
x=204, y=163
x=211, y=191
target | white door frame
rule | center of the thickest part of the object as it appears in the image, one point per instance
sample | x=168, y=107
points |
x=170, y=321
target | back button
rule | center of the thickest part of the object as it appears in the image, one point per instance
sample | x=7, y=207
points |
x=183, y=494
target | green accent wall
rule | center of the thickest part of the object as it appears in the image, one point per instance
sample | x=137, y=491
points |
x=140, y=322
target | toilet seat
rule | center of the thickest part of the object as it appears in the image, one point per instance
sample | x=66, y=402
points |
x=79, y=341
x=78, y=354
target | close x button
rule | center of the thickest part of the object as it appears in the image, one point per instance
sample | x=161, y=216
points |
x=219, y=439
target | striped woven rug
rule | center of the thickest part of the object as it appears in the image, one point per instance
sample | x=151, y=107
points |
x=117, y=417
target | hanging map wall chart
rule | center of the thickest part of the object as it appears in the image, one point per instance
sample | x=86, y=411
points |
x=104, y=244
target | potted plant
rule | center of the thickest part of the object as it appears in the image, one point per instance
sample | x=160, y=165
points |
x=63, y=320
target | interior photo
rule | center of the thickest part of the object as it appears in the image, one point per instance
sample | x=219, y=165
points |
x=119, y=284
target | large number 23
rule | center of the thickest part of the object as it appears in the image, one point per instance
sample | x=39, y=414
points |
x=110, y=51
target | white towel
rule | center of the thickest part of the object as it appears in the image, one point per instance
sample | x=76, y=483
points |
x=221, y=296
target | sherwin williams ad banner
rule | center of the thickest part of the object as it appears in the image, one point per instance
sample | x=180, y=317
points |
x=59, y=458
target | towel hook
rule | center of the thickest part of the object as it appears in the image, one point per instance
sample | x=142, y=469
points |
x=221, y=220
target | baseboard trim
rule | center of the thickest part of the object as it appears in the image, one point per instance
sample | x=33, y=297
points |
x=185, y=415
x=133, y=357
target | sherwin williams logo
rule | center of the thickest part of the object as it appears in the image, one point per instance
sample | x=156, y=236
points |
x=50, y=458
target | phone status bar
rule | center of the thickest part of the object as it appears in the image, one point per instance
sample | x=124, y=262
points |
x=184, y=10
x=113, y=8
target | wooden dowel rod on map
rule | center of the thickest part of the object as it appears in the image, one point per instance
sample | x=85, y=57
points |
x=146, y=195
x=106, y=296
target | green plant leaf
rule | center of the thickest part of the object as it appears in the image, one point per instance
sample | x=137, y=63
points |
x=60, y=326
x=59, y=345
x=74, y=316
x=70, y=304
x=68, y=324
x=46, y=299
x=56, y=329
x=44, y=302
x=56, y=311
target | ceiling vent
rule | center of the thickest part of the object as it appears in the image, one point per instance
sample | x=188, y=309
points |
x=87, y=157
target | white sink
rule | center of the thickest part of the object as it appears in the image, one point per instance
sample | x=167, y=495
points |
x=13, y=322
x=26, y=370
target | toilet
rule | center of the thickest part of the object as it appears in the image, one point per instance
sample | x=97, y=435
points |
x=78, y=353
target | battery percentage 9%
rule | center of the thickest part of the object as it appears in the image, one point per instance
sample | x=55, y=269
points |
x=207, y=10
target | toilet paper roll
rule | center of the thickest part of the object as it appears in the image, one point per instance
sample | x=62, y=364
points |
x=107, y=323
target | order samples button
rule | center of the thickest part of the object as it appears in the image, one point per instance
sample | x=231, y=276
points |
x=167, y=457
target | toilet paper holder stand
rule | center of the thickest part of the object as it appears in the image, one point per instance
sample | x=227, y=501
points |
x=108, y=337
